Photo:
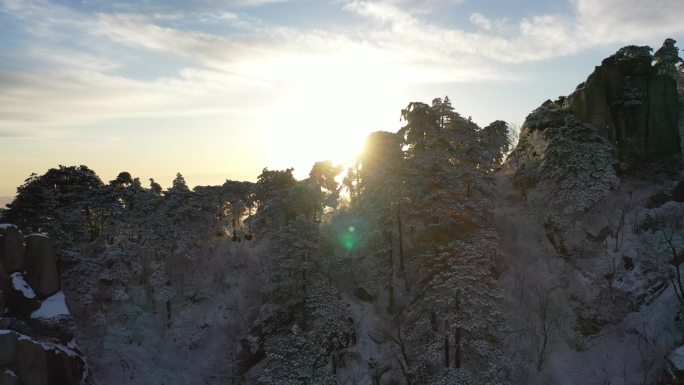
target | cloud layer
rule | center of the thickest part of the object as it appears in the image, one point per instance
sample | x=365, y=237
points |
x=80, y=57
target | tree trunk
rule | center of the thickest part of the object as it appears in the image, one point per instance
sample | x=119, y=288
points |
x=390, y=306
x=433, y=321
x=468, y=186
x=168, y=314
x=401, y=240
x=457, y=344
x=304, y=292
x=446, y=351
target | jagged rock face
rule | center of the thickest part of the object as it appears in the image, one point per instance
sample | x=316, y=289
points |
x=631, y=105
x=40, y=362
x=37, y=336
x=5, y=287
x=40, y=264
x=562, y=161
x=8, y=377
x=11, y=248
x=21, y=299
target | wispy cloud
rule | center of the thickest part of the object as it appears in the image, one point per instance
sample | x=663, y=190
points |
x=540, y=37
x=84, y=54
x=611, y=21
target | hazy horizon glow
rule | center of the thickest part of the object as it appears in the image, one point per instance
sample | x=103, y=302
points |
x=219, y=90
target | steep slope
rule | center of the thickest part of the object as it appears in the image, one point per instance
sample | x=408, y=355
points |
x=589, y=297
x=592, y=234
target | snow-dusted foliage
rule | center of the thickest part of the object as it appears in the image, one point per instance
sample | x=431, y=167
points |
x=457, y=311
x=304, y=323
x=567, y=161
x=427, y=255
x=580, y=163
x=309, y=352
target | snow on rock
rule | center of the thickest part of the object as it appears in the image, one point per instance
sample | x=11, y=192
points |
x=44, y=235
x=4, y=226
x=40, y=361
x=51, y=307
x=9, y=377
x=677, y=358
x=20, y=284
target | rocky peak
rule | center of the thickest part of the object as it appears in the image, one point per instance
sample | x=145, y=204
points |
x=632, y=103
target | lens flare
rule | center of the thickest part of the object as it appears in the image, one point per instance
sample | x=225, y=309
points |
x=348, y=238
x=349, y=230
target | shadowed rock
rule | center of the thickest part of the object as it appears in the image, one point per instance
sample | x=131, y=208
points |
x=9, y=378
x=11, y=248
x=21, y=299
x=40, y=362
x=632, y=105
x=5, y=289
x=40, y=264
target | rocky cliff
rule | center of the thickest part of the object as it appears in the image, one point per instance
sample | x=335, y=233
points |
x=37, y=345
x=626, y=114
x=632, y=103
x=591, y=217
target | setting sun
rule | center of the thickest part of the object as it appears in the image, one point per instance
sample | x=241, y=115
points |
x=313, y=124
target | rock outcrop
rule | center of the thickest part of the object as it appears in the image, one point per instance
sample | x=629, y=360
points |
x=40, y=362
x=562, y=161
x=21, y=299
x=626, y=113
x=8, y=377
x=11, y=248
x=632, y=104
x=40, y=264
x=36, y=330
x=5, y=286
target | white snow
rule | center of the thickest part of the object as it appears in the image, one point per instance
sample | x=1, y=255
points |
x=4, y=226
x=65, y=350
x=11, y=373
x=72, y=344
x=5, y=331
x=44, y=235
x=47, y=345
x=52, y=307
x=20, y=284
x=677, y=358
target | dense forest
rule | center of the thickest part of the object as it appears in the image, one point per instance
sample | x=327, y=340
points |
x=445, y=254
x=408, y=220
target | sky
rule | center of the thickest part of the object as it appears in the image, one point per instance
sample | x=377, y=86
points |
x=220, y=89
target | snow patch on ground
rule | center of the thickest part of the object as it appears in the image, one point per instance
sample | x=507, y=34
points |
x=634, y=307
x=51, y=307
x=5, y=226
x=21, y=285
x=366, y=349
x=677, y=358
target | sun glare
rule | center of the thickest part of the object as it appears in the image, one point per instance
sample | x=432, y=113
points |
x=324, y=123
